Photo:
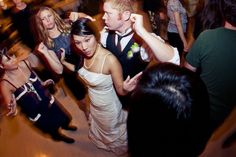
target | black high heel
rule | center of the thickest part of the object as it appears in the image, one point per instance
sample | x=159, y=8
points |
x=70, y=127
x=61, y=137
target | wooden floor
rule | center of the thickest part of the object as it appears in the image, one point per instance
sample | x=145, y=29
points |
x=19, y=139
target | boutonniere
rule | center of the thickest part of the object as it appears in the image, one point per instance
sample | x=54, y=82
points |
x=133, y=49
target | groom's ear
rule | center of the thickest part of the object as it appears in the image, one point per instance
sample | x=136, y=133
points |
x=126, y=15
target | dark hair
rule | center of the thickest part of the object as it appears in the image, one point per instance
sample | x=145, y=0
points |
x=3, y=52
x=168, y=106
x=211, y=15
x=84, y=26
x=229, y=11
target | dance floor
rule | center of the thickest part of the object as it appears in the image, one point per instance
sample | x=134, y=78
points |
x=19, y=139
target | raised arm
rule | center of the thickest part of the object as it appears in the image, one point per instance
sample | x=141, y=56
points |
x=50, y=57
x=68, y=65
x=162, y=51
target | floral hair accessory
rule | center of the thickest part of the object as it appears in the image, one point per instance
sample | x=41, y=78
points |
x=133, y=49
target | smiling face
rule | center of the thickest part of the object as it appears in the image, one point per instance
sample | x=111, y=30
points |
x=87, y=44
x=47, y=19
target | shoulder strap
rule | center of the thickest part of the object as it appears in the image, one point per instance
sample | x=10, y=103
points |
x=8, y=82
x=30, y=69
x=27, y=66
x=104, y=61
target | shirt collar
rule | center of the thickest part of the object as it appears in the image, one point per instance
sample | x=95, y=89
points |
x=125, y=33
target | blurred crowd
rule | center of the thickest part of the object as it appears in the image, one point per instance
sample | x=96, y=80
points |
x=126, y=55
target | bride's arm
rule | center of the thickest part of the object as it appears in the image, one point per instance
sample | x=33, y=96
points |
x=122, y=87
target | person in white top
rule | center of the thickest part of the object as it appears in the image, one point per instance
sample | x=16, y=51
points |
x=102, y=74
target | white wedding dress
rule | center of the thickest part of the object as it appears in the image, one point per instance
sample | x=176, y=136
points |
x=107, y=119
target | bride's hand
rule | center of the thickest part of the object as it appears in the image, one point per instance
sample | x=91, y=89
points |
x=130, y=83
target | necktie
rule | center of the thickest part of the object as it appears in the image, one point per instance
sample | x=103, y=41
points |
x=119, y=39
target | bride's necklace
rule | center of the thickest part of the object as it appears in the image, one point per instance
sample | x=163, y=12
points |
x=93, y=59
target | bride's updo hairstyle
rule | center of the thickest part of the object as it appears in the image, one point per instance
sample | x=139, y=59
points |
x=83, y=27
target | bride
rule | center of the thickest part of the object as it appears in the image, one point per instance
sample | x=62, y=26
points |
x=102, y=73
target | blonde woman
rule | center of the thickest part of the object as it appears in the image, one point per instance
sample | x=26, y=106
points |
x=53, y=33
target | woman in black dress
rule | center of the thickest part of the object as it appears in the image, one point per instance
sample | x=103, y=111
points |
x=19, y=84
